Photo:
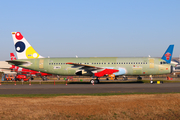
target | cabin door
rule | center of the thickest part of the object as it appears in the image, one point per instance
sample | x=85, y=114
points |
x=151, y=63
x=41, y=64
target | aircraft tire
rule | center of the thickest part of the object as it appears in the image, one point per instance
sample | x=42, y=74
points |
x=139, y=78
x=151, y=82
x=96, y=81
x=125, y=78
x=44, y=78
x=92, y=81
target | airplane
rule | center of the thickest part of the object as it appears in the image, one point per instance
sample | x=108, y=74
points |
x=27, y=71
x=90, y=66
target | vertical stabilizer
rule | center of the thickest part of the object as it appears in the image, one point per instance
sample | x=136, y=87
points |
x=168, y=54
x=13, y=67
x=12, y=56
x=23, y=49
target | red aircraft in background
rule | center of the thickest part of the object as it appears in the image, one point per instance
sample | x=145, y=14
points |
x=27, y=71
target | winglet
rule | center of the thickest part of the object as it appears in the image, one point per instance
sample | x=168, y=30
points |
x=168, y=54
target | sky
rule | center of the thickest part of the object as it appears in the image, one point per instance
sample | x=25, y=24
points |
x=91, y=28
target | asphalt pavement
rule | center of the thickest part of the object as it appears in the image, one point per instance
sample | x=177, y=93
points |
x=89, y=88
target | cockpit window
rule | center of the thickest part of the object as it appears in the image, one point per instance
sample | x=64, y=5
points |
x=163, y=62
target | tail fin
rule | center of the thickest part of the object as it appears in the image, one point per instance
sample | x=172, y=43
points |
x=13, y=67
x=168, y=54
x=23, y=49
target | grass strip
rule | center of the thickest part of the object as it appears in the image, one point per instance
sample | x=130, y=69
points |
x=56, y=95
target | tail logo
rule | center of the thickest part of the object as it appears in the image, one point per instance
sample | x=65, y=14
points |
x=18, y=36
x=13, y=58
x=20, y=46
x=168, y=55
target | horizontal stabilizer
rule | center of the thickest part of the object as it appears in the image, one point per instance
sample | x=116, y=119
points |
x=16, y=62
x=6, y=68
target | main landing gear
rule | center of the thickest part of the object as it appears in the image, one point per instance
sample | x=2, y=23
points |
x=44, y=78
x=125, y=78
x=94, y=81
x=151, y=78
x=139, y=78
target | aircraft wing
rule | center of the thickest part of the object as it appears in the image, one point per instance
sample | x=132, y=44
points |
x=85, y=67
x=97, y=71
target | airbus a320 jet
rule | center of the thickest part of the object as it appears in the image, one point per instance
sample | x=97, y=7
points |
x=89, y=66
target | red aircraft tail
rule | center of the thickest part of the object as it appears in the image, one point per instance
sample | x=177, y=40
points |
x=12, y=56
x=13, y=67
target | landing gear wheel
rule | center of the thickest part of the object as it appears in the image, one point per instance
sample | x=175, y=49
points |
x=96, y=81
x=139, y=78
x=125, y=78
x=151, y=82
x=44, y=78
x=92, y=81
